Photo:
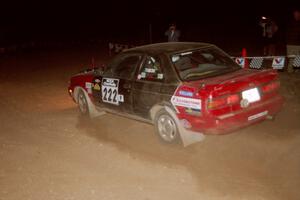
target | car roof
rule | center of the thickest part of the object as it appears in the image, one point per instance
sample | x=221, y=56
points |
x=168, y=47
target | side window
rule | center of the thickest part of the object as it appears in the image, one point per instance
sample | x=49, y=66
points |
x=151, y=70
x=125, y=66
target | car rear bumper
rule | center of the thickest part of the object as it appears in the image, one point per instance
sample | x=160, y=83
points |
x=230, y=122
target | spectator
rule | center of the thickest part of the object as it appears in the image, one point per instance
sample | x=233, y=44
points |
x=269, y=31
x=172, y=33
x=293, y=37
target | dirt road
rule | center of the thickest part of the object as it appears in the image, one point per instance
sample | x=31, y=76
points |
x=48, y=152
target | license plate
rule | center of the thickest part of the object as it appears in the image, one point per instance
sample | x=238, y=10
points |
x=258, y=115
x=251, y=95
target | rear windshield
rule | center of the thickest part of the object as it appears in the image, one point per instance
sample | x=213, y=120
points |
x=203, y=63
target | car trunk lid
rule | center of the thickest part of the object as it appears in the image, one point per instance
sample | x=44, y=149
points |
x=238, y=90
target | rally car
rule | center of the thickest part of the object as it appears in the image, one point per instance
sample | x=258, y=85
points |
x=179, y=87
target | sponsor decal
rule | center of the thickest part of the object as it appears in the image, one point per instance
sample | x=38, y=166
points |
x=240, y=62
x=149, y=70
x=278, y=62
x=143, y=75
x=121, y=98
x=96, y=86
x=186, y=102
x=110, y=82
x=194, y=112
x=160, y=76
x=88, y=87
x=185, y=93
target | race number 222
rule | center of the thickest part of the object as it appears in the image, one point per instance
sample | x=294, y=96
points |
x=110, y=94
x=110, y=90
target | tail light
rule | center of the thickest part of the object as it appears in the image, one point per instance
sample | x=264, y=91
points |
x=270, y=87
x=223, y=101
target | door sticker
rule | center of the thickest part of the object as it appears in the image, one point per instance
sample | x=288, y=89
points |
x=149, y=70
x=160, y=76
x=109, y=91
x=96, y=86
x=186, y=102
x=120, y=98
x=143, y=75
x=88, y=87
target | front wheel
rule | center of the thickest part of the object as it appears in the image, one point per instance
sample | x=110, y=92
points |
x=166, y=127
x=83, y=104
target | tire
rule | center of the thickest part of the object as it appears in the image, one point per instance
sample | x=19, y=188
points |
x=166, y=127
x=83, y=104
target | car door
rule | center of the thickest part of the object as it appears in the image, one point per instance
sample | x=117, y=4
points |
x=147, y=87
x=115, y=91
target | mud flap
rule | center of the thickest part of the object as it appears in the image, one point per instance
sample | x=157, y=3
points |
x=93, y=112
x=188, y=137
x=96, y=113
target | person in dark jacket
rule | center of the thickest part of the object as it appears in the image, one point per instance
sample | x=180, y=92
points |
x=293, y=37
x=269, y=34
x=172, y=33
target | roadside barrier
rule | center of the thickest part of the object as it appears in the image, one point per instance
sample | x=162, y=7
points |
x=275, y=62
x=255, y=62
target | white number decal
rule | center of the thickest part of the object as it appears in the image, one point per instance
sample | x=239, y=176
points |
x=110, y=90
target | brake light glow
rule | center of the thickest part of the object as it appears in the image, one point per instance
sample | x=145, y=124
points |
x=270, y=87
x=233, y=99
x=220, y=102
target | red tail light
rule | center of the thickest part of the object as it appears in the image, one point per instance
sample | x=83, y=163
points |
x=220, y=102
x=270, y=87
x=233, y=99
x=216, y=103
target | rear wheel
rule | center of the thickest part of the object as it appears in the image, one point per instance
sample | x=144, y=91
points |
x=82, y=103
x=166, y=127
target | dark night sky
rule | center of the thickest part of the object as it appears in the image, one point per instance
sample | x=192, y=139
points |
x=213, y=21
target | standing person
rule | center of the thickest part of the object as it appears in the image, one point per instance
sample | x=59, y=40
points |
x=172, y=33
x=269, y=31
x=293, y=37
